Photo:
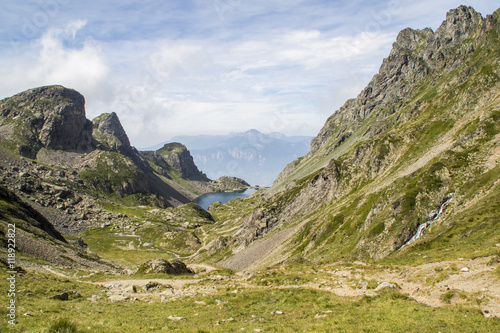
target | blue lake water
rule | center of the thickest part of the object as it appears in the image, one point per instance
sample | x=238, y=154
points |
x=207, y=199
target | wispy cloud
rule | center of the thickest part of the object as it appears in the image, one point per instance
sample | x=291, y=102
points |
x=191, y=67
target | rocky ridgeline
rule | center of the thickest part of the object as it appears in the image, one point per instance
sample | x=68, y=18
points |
x=415, y=55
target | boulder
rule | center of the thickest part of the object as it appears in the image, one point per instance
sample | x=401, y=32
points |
x=62, y=297
x=118, y=298
x=173, y=267
x=384, y=285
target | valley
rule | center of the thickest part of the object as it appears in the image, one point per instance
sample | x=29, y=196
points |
x=390, y=223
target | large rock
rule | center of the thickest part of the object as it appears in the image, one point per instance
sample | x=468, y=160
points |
x=108, y=131
x=51, y=117
x=179, y=158
x=175, y=267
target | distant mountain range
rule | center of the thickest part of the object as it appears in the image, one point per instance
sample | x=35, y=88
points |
x=256, y=157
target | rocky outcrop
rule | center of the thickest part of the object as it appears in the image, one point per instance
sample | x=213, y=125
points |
x=414, y=55
x=179, y=158
x=108, y=131
x=56, y=120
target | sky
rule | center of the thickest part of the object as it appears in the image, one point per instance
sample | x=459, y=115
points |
x=190, y=67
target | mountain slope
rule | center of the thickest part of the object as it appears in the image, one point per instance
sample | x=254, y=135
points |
x=48, y=124
x=418, y=147
x=36, y=237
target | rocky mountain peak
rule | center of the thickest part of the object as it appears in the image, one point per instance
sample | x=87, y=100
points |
x=50, y=116
x=459, y=23
x=394, y=154
x=414, y=55
x=180, y=159
x=108, y=131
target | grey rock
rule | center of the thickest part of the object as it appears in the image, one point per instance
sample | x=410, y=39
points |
x=57, y=119
x=176, y=156
x=175, y=318
x=174, y=267
x=385, y=285
x=108, y=131
x=151, y=285
x=130, y=289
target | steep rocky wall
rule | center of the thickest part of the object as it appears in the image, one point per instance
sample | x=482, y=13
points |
x=56, y=120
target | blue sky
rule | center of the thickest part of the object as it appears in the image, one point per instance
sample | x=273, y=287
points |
x=191, y=67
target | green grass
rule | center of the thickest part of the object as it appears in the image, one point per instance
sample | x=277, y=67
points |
x=63, y=325
x=132, y=211
x=121, y=248
x=112, y=170
x=301, y=310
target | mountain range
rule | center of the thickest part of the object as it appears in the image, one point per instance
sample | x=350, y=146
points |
x=64, y=168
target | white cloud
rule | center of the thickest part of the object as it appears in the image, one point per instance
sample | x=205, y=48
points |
x=49, y=60
x=166, y=87
x=179, y=59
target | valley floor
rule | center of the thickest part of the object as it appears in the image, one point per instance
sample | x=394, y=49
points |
x=452, y=296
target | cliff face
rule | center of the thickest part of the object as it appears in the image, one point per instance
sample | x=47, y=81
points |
x=424, y=129
x=56, y=120
x=179, y=158
x=416, y=54
x=108, y=131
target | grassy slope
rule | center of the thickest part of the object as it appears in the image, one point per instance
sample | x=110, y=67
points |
x=337, y=230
